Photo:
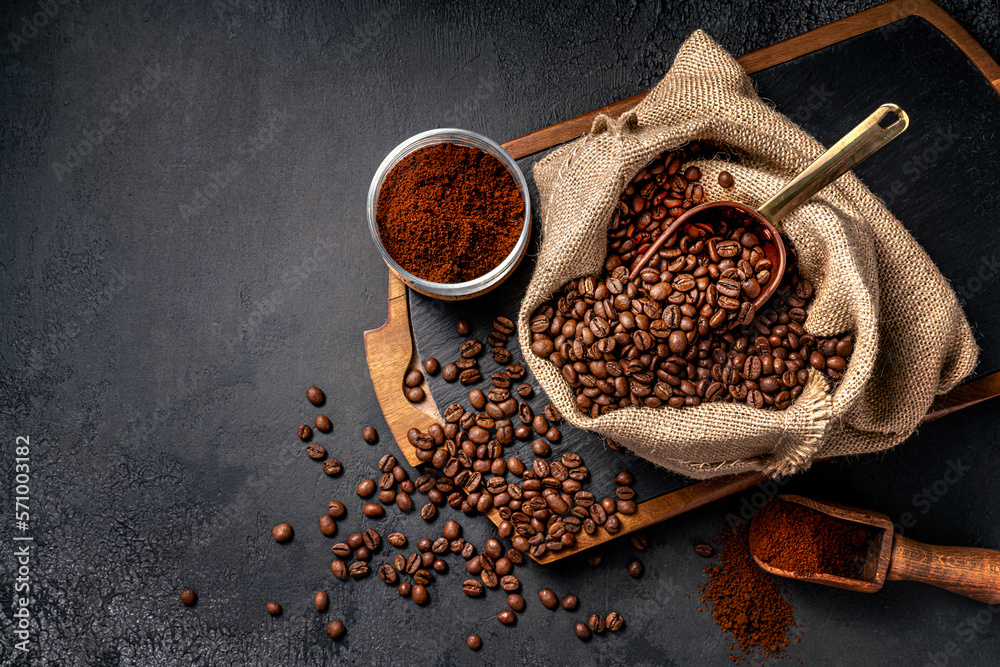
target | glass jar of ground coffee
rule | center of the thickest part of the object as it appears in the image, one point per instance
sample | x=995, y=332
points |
x=450, y=213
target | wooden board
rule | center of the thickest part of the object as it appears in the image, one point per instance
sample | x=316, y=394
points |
x=391, y=350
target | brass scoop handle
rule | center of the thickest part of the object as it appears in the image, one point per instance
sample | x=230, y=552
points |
x=856, y=146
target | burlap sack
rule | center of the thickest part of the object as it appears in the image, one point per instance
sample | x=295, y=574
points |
x=870, y=277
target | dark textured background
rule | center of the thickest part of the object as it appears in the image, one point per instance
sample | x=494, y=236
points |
x=167, y=297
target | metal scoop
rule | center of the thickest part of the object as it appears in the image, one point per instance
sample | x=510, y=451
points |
x=856, y=146
x=968, y=571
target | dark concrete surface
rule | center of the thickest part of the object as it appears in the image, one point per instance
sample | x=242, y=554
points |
x=183, y=251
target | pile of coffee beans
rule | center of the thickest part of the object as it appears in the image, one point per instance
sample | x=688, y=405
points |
x=465, y=369
x=685, y=330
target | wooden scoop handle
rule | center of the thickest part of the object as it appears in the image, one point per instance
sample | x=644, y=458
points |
x=974, y=573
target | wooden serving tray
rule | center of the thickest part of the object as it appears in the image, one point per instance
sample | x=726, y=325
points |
x=392, y=351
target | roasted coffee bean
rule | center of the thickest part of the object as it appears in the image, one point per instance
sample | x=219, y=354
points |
x=612, y=525
x=428, y=512
x=596, y=623
x=470, y=348
x=273, y=608
x=315, y=451
x=396, y=539
x=327, y=525
x=359, y=569
x=452, y=530
x=403, y=501
x=463, y=327
x=472, y=588
x=372, y=539
x=570, y=602
x=362, y=553
x=415, y=395
x=366, y=488
x=282, y=532
x=369, y=435
x=320, y=601
x=305, y=432
x=548, y=598
x=507, y=617
x=404, y=589
x=419, y=594
x=625, y=493
x=510, y=583
x=635, y=568
x=335, y=629
x=414, y=378
x=373, y=510
x=503, y=325
x=341, y=549
x=475, y=642
x=489, y=578
x=323, y=424
x=525, y=390
x=516, y=602
x=582, y=631
x=704, y=550
x=339, y=568
x=431, y=366
x=501, y=355
x=189, y=597
x=387, y=573
x=469, y=376
x=315, y=395
x=422, y=577
x=595, y=560
x=440, y=566
x=355, y=540
x=614, y=621
x=726, y=179
x=332, y=467
x=640, y=541
x=624, y=478
x=449, y=372
x=440, y=545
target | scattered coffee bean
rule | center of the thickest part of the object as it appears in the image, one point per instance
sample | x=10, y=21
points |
x=273, y=608
x=332, y=467
x=373, y=510
x=596, y=623
x=321, y=601
x=704, y=550
x=336, y=509
x=469, y=376
x=548, y=598
x=282, y=532
x=570, y=602
x=359, y=569
x=415, y=395
x=396, y=539
x=369, y=435
x=341, y=549
x=475, y=642
x=339, y=568
x=472, y=587
x=595, y=560
x=452, y=530
x=635, y=568
x=614, y=621
x=323, y=424
x=387, y=573
x=414, y=378
x=327, y=525
x=489, y=578
x=428, y=512
x=362, y=553
x=507, y=617
x=431, y=366
x=188, y=597
x=510, y=583
x=404, y=589
x=315, y=451
x=449, y=372
x=419, y=594
x=463, y=327
x=355, y=540
x=582, y=631
x=305, y=432
x=726, y=179
x=372, y=539
x=640, y=541
x=315, y=395
x=335, y=629
x=366, y=488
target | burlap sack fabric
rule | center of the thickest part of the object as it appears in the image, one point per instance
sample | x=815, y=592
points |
x=912, y=340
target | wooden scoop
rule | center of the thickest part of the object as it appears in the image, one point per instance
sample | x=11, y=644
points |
x=968, y=571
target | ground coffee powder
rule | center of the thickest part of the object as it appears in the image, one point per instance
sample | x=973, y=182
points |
x=747, y=601
x=798, y=539
x=448, y=213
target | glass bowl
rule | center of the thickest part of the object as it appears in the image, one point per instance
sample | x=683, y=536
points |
x=485, y=282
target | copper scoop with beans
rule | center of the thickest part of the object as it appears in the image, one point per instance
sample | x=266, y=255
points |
x=860, y=143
